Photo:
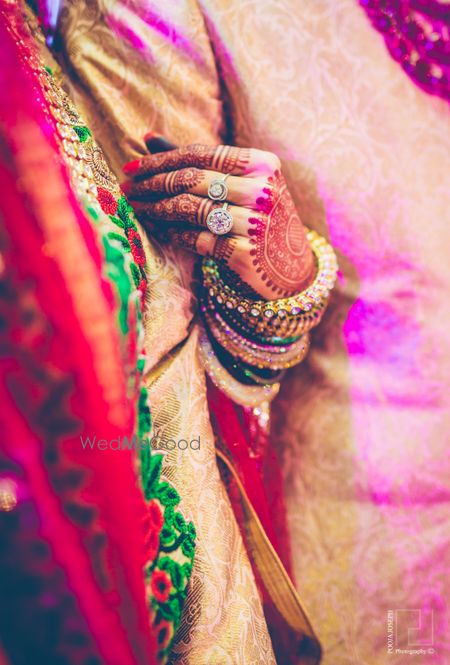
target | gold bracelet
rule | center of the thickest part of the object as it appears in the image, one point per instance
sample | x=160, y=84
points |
x=313, y=298
x=270, y=331
x=251, y=353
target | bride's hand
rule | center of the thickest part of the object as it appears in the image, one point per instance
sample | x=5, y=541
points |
x=266, y=248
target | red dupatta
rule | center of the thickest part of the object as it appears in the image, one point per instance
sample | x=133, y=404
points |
x=72, y=549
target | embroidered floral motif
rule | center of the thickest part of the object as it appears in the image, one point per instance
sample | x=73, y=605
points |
x=123, y=218
x=161, y=585
x=168, y=572
x=169, y=540
x=107, y=201
x=164, y=633
x=153, y=523
x=136, y=247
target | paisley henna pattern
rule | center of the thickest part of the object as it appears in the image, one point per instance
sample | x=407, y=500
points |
x=226, y=159
x=173, y=182
x=281, y=254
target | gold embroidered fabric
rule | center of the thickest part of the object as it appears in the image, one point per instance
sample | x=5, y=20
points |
x=131, y=71
x=223, y=620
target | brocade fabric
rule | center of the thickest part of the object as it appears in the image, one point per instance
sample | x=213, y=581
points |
x=362, y=426
x=126, y=78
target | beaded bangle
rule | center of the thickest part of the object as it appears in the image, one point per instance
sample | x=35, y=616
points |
x=249, y=396
x=244, y=373
x=314, y=297
x=271, y=331
x=256, y=355
x=250, y=344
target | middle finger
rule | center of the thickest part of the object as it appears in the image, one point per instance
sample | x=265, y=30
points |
x=241, y=191
x=192, y=209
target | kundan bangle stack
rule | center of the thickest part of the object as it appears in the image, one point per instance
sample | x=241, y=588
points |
x=266, y=336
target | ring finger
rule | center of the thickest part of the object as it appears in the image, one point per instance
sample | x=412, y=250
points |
x=241, y=191
x=191, y=209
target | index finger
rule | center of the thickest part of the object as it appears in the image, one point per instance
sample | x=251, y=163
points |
x=222, y=158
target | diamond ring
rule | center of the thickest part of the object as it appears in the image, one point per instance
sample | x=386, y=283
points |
x=220, y=220
x=218, y=190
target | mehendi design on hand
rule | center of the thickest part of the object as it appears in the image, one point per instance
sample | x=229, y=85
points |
x=281, y=253
x=277, y=261
x=186, y=238
x=232, y=278
x=225, y=246
x=226, y=159
x=182, y=208
x=173, y=182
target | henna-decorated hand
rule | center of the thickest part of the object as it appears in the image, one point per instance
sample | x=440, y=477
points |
x=267, y=249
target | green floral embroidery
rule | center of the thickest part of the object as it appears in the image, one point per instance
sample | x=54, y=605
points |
x=123, y=241
x=144, y=417
x=171, y=552
x=117, y=273
x=169, y=539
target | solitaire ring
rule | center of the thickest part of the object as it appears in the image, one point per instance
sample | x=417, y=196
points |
x=220, y=220
x=218, y=190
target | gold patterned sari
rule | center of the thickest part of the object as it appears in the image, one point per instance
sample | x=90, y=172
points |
x=123, y=87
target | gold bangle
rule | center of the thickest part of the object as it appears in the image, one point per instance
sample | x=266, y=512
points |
x=314, y=297
x=273, y=358
x=270, y=331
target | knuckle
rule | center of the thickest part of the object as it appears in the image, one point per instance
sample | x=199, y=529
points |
x=272, y=160
x=264, y=161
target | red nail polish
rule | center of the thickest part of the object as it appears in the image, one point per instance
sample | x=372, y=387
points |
x=132, y=167
x=125, y=186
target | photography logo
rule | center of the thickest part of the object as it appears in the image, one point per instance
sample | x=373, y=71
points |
x=410, y=632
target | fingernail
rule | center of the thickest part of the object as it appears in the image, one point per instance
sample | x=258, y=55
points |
x=132, y=167
x=125, y=186
x=157, y=142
